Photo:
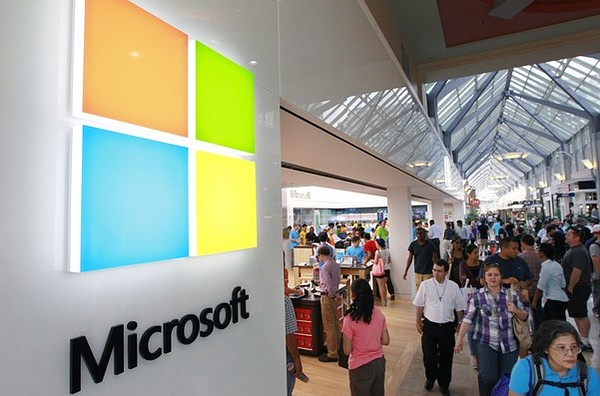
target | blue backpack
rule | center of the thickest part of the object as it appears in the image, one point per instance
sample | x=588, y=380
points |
x=538, y=382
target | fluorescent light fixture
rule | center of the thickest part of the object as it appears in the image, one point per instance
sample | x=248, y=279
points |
x=512, y=155
x=542, y=184
x=499, y=177
x=588, y=163
x=560, y=177
x=419, y=164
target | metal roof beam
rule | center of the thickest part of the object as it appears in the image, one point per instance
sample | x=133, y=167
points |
x=531, y=146
x=451, y=85
x=556, y=106
x=526, y=128
x=473, y=145
x=385, y=124
x=471, y=102
x=481, y=134
x=476, y=127
x=538, y=119
x=475, y=132
x=477, y=158
x=582, y=102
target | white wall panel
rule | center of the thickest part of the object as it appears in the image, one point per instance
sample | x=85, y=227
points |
x=43, y=306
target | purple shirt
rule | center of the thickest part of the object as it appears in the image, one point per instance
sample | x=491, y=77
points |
x=330, y=278
x=493, y=325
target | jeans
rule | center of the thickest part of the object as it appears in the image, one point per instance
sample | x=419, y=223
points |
x=291, y=379
x=492, y=364
x=472, y=342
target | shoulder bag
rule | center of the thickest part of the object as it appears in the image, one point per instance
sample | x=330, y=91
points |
x=521, y=329
x=379, y=267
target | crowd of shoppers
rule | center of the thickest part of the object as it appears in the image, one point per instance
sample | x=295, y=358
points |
x=550, y=270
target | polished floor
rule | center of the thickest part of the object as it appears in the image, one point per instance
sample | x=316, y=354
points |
x=404, y=369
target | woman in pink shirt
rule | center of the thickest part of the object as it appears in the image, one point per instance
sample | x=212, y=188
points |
x=365, y=331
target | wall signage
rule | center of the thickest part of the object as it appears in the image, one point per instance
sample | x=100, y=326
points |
x=165, y=161
x=128, y=346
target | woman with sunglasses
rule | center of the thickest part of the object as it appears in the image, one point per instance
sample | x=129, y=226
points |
x=555, y=348
x=491, y=312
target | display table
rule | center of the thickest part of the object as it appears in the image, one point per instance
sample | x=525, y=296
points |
x=310, y=336
x=303, y=271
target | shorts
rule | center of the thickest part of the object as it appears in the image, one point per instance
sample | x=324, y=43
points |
x=386, y=274
x=577, y=305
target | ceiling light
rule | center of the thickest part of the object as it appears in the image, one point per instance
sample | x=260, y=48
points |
x=560, y=177
x=542, y=184
x=512, y=155
x=419, y=164
x=499, y=177
x=588, y=163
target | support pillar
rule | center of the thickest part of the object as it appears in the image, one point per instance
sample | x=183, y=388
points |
x=400, y=228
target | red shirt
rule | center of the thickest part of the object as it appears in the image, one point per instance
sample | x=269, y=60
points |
x=370, y=247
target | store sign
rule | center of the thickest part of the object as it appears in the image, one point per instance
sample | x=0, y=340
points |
x=300, y=195
x=128, y=346
x=475, y=202
x=165, y=163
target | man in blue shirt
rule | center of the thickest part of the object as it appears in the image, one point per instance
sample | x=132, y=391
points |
x=513, y=268
x=356, y=250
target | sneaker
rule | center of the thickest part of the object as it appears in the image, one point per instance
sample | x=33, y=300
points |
x=586, y=348
x=392, y=297
x=325, y=358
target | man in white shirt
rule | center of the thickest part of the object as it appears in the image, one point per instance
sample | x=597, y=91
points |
x=437, y=299
x=435, y=235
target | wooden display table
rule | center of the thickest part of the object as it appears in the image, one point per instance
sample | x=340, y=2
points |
x=304, y=271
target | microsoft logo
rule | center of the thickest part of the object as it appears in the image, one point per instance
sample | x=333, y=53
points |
x=163, y=166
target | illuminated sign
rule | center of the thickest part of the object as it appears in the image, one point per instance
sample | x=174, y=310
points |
x=164, y=165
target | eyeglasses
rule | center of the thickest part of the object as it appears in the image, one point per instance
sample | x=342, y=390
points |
x=563, y=349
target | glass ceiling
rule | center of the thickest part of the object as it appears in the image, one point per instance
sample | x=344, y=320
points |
x=393, y=125
x=532, y=109
x=475, y=121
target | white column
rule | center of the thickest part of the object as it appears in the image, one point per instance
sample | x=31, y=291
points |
x=437, y=211
x=400, y=228
x=459, y=211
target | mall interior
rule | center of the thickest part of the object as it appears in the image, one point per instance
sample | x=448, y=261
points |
x=182, y=136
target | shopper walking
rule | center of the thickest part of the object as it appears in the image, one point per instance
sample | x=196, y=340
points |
x=490, y=311
x=437, y=300
x=365, y=331
x=423, y=251
x=577, y=267
x=550, y=287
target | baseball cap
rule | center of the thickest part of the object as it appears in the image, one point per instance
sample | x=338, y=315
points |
x=596, y=228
